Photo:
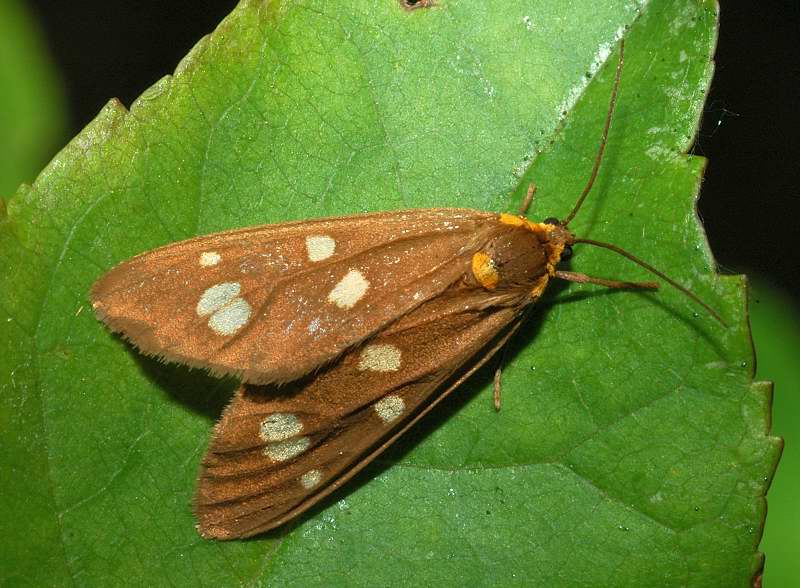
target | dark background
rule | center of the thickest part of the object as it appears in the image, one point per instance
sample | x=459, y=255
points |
x=750, y=199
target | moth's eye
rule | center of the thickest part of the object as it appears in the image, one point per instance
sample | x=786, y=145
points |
x=566, y=254
x=551, y=220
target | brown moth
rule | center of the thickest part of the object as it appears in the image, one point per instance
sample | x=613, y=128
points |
x=368, y=321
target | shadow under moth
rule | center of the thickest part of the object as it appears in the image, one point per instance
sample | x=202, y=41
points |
x=359, y=325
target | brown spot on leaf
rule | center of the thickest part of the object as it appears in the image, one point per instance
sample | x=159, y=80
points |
x=414, y=4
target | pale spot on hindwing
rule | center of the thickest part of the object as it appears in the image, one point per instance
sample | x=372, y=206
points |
x=280, y=430
x=390, y=408
x=228, y=311
x=280, y=426
x=286, y=450
x=380, y=358
x=209, y=258
x=310, y=479
x=349, y=290
x=320, y=247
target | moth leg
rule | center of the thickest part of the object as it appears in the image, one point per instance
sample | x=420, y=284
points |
x=584, y=279
x=526, y=203
x=498, y=374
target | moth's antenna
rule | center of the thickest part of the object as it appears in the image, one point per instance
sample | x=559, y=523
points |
x=653, y=270
x=599, y=158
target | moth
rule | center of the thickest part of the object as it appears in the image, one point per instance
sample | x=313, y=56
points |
x=344, y=331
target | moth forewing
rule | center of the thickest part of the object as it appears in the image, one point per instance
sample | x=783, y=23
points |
x=273, y=303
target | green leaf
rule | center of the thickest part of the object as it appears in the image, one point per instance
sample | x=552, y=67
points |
x=776, y=330
x=632, y=448
x=31, y=110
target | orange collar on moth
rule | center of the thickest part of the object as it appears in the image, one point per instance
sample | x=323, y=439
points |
x=484, y=270
x=556, y=249
x=516, y=221
x=546, y=233
x=542, y=230
x=553, y=235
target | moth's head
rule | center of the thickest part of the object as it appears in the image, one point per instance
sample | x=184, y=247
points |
x=559, y=237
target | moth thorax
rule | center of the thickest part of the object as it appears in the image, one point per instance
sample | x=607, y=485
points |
x=518, y=256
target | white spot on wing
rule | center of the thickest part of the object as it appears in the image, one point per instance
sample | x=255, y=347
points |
x=390, y=408
x=209, y=258
x=320, y=247
x=288, y=449
x=349, y=290
x=230, y=318
x=280, y=426
x=217, y=296
x=228, y=311
x=310, y=479
x=380, y=358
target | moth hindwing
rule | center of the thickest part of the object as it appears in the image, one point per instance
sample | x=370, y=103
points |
x=372, y=319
